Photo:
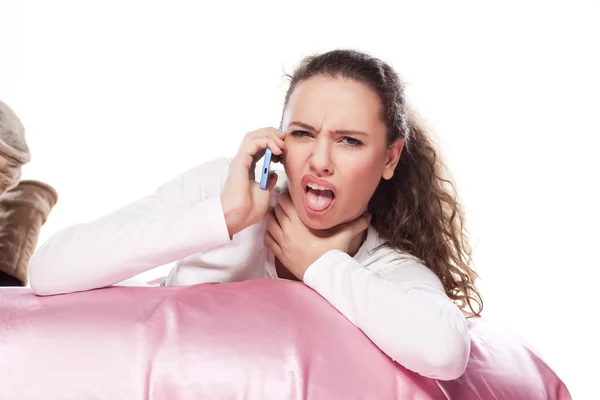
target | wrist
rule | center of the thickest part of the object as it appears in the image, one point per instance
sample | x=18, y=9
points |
x=232, y=216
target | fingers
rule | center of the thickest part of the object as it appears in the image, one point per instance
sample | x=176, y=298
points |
x=282, y=217
x=269, y=137
x=273, y=227
x=252, y=150
x=275, y=131
x=255, y=144
x=276, y=146
x=272, y=181
x=285, y=201
x=273, y=245
x=272, y=142
x=255, y=147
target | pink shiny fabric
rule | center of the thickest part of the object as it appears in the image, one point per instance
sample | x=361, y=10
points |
x=260, y=339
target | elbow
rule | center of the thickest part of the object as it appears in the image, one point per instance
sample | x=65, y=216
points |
x=37, y=279
x=449, y=351
x=449, y=363
x=444, y=341
x=438, y=350
x=43, y=279
x=49, y=267
x=41, y=290
x=441, y=354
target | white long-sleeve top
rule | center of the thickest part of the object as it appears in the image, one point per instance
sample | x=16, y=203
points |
x=391, y=296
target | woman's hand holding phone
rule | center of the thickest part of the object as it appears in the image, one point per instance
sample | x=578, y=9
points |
x=244, y=202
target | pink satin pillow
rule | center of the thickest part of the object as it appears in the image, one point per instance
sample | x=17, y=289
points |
x=261, y=339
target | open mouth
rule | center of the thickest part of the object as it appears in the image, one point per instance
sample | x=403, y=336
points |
x=318, y=198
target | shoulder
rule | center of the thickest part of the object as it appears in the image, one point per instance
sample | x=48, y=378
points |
x=396, y=265
x=216, y=167
x=195, y=184
x=206, y=180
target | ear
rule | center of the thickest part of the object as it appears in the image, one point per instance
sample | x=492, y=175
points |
x=392, y=158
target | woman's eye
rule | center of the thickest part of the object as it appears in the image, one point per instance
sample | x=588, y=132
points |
x=301, y=134
x=352, y=142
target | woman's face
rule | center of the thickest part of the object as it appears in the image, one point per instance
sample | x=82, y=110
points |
x=335, y=150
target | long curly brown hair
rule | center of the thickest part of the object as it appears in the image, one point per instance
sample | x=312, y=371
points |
x=417, y=211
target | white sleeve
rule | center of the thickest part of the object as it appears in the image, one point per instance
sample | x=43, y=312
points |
x=181, y=218
x=403, y=310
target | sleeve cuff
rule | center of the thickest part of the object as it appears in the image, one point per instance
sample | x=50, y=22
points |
x=320, y=269
x=332, y=276
x=207, y=223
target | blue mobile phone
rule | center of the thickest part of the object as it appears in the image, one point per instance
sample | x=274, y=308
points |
x=264, y=176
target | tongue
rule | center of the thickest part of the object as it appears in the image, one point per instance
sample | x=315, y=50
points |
x=318, y=200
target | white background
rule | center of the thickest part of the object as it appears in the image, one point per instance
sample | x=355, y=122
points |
x=119, y=97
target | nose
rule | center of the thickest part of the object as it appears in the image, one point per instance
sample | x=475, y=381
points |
x=320, y=159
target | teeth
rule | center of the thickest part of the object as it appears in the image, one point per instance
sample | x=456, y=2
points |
x=316, y=187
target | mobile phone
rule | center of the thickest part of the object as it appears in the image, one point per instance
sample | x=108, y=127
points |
x=264, y=175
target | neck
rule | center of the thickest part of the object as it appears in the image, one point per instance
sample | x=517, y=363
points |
x=356, y=242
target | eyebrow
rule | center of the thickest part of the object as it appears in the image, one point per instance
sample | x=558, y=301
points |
x=338, y=132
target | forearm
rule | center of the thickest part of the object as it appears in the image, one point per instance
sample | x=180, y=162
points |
x=121, y=245
x=417, y=326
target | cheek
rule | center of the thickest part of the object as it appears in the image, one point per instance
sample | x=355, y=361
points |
x=360, y=179
x=295, y=160
x=294, y=167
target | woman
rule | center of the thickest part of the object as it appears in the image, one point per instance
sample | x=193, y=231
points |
x=363, y=217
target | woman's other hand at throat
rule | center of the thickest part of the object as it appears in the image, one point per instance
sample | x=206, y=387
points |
x=297, y=246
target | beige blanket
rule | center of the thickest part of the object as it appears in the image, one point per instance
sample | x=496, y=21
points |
x=24, y=204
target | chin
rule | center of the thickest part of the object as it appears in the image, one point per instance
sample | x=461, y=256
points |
x=320, y=224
